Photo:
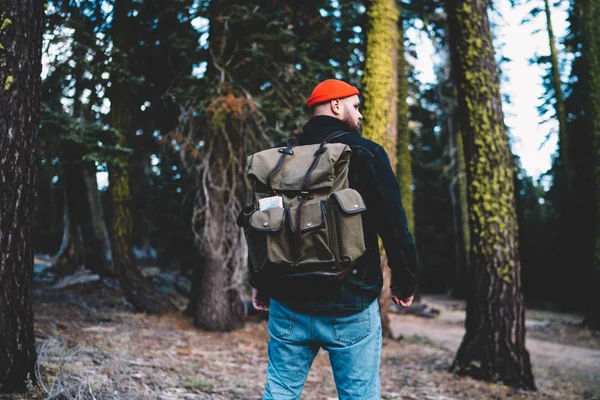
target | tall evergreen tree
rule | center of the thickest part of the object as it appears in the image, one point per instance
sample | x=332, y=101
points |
x=264, y=59
x=380, y=91
x=136, y=288
x=591, y=56
x=493, y=347
x=559, y=104
x=21, y=29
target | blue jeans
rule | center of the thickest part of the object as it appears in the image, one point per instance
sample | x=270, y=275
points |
x=352, y=341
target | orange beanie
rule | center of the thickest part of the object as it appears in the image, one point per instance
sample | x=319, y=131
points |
x=330, y=89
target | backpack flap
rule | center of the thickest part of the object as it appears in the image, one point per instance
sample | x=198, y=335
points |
x=270, y=220
x=292, y=173
x=349, y=200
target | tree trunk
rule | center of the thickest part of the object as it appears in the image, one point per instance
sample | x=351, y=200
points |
x=98, y=253
x=219, y=303
x=21, y=28
x=591, y=54
x=381, y=107
x=493, y=347
x=70, y=254
x=559, y=106
x=81, y=243
x=136, y=288
x=220, y=306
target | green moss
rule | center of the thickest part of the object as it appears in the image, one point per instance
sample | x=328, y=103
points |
x=5, y=23
x=8, y=82
x=380, y=78
x=492, y=215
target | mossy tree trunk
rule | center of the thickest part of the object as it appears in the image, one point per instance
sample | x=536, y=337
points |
x=493, y=347
x=381, y=105
x=21, y=29
x=591, y=54
x=136, y=288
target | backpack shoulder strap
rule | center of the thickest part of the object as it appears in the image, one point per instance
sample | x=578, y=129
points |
x=334, y=135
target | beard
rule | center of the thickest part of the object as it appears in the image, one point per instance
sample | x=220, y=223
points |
x=354, y=126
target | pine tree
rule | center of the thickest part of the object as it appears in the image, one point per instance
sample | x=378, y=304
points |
x=21, y=29
x=493, y=347
x=591, y=57
x=136, y=288
x=381, y=104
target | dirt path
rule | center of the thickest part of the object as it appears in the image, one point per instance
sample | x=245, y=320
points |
x=550, y=360
x=89, y=341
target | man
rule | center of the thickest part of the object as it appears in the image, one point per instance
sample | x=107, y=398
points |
x=341, y=316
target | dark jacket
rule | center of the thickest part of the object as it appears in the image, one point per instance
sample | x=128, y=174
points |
x=371, y=174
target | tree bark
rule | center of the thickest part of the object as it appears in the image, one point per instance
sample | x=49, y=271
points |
x=21, y=29
x=591, y=54
x=381, y=108
x=493, y=347
x=219, y=304
x=136, y=288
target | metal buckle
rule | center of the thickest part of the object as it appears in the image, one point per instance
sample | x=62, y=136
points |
x=286, y=150
x=308, y=195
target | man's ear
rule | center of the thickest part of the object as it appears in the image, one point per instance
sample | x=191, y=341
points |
x=335, y=106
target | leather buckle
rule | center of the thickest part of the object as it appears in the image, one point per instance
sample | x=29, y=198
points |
x=286, y=150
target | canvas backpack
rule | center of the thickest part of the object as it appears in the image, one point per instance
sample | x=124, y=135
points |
x=304, y=218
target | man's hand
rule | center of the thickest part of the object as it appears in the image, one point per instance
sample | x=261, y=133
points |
x=259, y=302
x=404, y=302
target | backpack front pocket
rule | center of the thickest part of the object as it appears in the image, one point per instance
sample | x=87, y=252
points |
x=273, y=235
x=311, y=235
x=346, y=207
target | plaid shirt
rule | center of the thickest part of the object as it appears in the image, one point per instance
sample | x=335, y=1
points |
x=371, y=174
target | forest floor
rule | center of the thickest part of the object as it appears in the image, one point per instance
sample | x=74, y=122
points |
x=92, y=346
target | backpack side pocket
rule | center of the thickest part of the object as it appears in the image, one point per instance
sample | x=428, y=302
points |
x=346, y=207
